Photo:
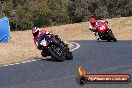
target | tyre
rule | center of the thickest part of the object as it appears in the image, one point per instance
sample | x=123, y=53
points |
x=69, y=56
x=108, y=40
x=43, y=53
x=55, y=54
x=111, y=36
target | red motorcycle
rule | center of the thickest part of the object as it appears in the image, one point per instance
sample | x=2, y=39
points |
x=104, y=32
x=54, y=47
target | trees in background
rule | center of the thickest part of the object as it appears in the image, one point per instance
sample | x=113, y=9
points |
x=81, y=10
x=24, y=13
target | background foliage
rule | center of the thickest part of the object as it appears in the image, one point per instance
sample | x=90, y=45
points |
x=81, y=10
x=24, y=14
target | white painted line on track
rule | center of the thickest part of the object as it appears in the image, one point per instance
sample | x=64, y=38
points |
x=77, y=47
x=17, y=63
x=11, y=64
x=23, y=62
x=33, y=60
x=5, y=65
x=28, y=61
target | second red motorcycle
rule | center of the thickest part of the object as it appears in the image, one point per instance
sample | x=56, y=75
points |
x=104, y=32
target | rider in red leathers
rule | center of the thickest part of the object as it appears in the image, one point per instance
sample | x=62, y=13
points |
x=40, y=34
x=93, y=25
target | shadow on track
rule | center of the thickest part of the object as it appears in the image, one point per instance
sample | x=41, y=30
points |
x=47, y=59
x=105, y=41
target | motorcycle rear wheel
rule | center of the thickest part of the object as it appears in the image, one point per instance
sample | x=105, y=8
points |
x=111, y=36
x=69, y=56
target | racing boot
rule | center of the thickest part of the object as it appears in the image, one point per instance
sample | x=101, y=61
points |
x=96, y=35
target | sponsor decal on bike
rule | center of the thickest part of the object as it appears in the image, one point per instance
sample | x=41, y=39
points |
x=102, y=27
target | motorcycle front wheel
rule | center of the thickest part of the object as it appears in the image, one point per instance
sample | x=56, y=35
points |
x=56, y=53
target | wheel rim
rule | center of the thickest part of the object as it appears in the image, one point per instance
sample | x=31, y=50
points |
x=57, y=50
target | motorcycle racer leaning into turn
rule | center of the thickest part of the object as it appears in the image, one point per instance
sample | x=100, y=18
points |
x=40, y=34
x=93, y=25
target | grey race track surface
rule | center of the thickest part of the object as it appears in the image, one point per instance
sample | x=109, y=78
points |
x=95, y=57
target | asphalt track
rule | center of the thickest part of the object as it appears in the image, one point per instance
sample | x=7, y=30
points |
x=95, y=57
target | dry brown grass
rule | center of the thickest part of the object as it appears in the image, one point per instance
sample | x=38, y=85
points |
x=122, y=27
x=19, y=49
x=22, y=48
